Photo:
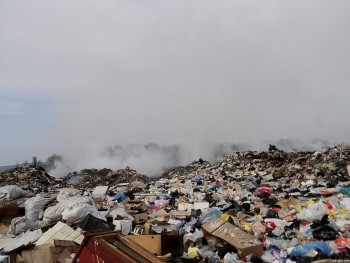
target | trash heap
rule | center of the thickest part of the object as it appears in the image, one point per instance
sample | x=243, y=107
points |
x=90, y=178
x=31, y=177
x=269, y=206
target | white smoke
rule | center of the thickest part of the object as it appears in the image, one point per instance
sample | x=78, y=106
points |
x=153, y=159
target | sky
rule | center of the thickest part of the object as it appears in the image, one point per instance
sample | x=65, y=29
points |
x=77, y=76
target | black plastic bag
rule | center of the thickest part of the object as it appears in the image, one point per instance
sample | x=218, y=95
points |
x=325, y=233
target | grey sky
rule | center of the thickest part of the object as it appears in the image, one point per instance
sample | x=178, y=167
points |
x=76, y=75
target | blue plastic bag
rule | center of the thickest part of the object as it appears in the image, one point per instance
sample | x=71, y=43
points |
x=320, y=246
x=119, y=197
x=345, y=191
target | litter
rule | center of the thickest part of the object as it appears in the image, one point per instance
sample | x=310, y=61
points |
x=273, y=206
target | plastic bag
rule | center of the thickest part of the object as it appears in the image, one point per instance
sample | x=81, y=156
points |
x=192, y=252
x=22, y=224
x=320, y=246
x=120, y=212
x=119, y=197
x=313, y=212
x=66, y=193
x=343, y=241
x=282, y=244
x=264, y=190
x=206, y=252
x=267, y=257
x=231, y=258
x=325, y=233
x=209, y=214
x=54, y=213
x=75, y=214
x=345, y=191
x=34, y=207
x=12, y=191
x=346, y=203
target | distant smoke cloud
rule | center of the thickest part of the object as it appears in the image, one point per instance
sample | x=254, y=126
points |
x=153, y=159
x=150, y=159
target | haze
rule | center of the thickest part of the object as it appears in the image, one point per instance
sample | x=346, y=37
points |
x=78, y=76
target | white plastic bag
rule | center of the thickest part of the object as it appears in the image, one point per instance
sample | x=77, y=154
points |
x=231, y=258
x=34, y=207
x=75, y=214
x=22, y=224
x=346, y=203
x=66, y=193
x=313, y=212
x=54, y=213
x=121, y=212
x=12, y=191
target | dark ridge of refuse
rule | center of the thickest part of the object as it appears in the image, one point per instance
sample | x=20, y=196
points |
x=297, y=165
x=289, y=166
x=30, y=177
x=185, y=170
x=90, y=178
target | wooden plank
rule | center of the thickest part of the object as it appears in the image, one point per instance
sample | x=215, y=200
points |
x=60, y=231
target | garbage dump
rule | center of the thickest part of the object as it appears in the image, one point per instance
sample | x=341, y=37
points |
x=268, y=206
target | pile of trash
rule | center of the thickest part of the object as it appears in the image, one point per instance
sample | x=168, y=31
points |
x=90, y=178
x=30, y=177
x=269, y=206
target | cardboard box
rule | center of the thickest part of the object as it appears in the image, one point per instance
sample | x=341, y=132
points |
x=58, y=251
x=140, y=218
x=245, y=244
x=347, y=170
x=100, y=203
x=60, y=231
x=291, y=202
x=138, y=206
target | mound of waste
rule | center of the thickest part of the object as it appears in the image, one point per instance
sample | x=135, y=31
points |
x=252, y=206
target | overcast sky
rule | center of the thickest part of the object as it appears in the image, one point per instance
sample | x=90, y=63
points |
x=77, y=75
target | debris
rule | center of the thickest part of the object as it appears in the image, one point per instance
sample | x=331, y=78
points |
x=243, y=242
x=270, y=206
x=60, y=231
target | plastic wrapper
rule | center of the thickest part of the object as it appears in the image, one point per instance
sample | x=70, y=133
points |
x=264, y=190
x=268, y=257
x=206, y=252
x=343, y=241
